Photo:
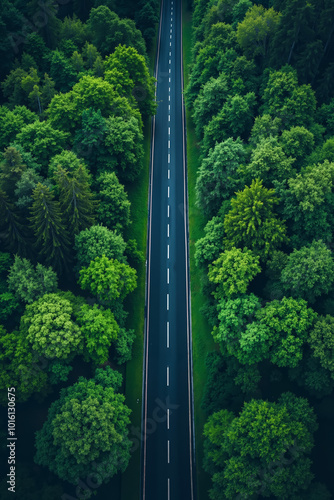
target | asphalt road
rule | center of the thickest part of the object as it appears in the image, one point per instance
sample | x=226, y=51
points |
x=167, y=445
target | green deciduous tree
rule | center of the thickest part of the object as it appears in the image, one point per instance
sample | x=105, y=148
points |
x=247, y=455
x=108, y=279
x=114, y=208
x=321, y=340
x=309, y=272
x=108, y=31
x=12, y=121
x=217, y=177
x=251, y=221
x=288, y=323
x=257, y=29
x=124, y=143
x=99, y=329
x=268, y=162
x=20, y=367
x=283, y=98
x=97, y=241
x=307, y=201
x=232, y=272
x=210, y=246
x=43, y=141
x=88, y=423
x=235, y=119
x=50, y=328
x=234, y=314
x=128, y=61
x=297, y=142
x=28, y=283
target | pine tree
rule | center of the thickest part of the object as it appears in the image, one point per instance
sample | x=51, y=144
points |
x=12, y=234
x=76, y=199
x=52, y=238
x=11, y=169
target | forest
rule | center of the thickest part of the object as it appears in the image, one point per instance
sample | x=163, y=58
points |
x=261, y=98
x=76, y=92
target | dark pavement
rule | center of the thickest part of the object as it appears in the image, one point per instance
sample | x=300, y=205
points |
x=167, y=448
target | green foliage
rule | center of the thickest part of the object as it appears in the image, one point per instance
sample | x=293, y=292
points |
x=99, y=329
x=228, y=383
x=13, y=233
x=287, y=324
x=210, y=246
x=28, y=283
x=309, y=272
x=12, y=121
x=108, y=279
x=257, y=29
x=235, y=119
x=47, y=224
x=19, y=367
x=89, y=422
x=42, y=141
x=114, y=208
x=123, y=345
x=50, y=328
x=129, y=62
x=68, y=160
x=307, y=203
x=297, y=142
x=251, y=221
x=283, y=98
x=246, y=455
x=97, y=241
x=25, y=186
x=8, y=306
x=77, y=202
x=124, y=144
x=268, y=162
x=11, y=169
x=217, y=177
x=321, y=340
x=108, y=32
x=264, y=127
x=234, y=315
x=233, y=271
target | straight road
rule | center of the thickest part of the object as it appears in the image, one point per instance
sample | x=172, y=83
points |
x=168, y=437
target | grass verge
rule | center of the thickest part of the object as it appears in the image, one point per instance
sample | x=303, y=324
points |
x=138, y=196
x=201, y=332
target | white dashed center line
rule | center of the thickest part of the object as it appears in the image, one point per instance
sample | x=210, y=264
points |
x=167, y=251
x=167, y=230
x=168, y=191
x=167, y=275
x=168, y=451
x=167, y=376
x=167, y=301
x=168, y=348
x=168, y=174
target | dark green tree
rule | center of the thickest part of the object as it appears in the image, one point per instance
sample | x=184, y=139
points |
x=48, y=226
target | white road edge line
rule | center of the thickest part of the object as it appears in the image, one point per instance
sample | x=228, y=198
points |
x=145, y=380
x=189, y=348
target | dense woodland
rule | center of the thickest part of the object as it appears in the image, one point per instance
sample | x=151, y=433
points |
x=261, y=95
x=75, y=93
